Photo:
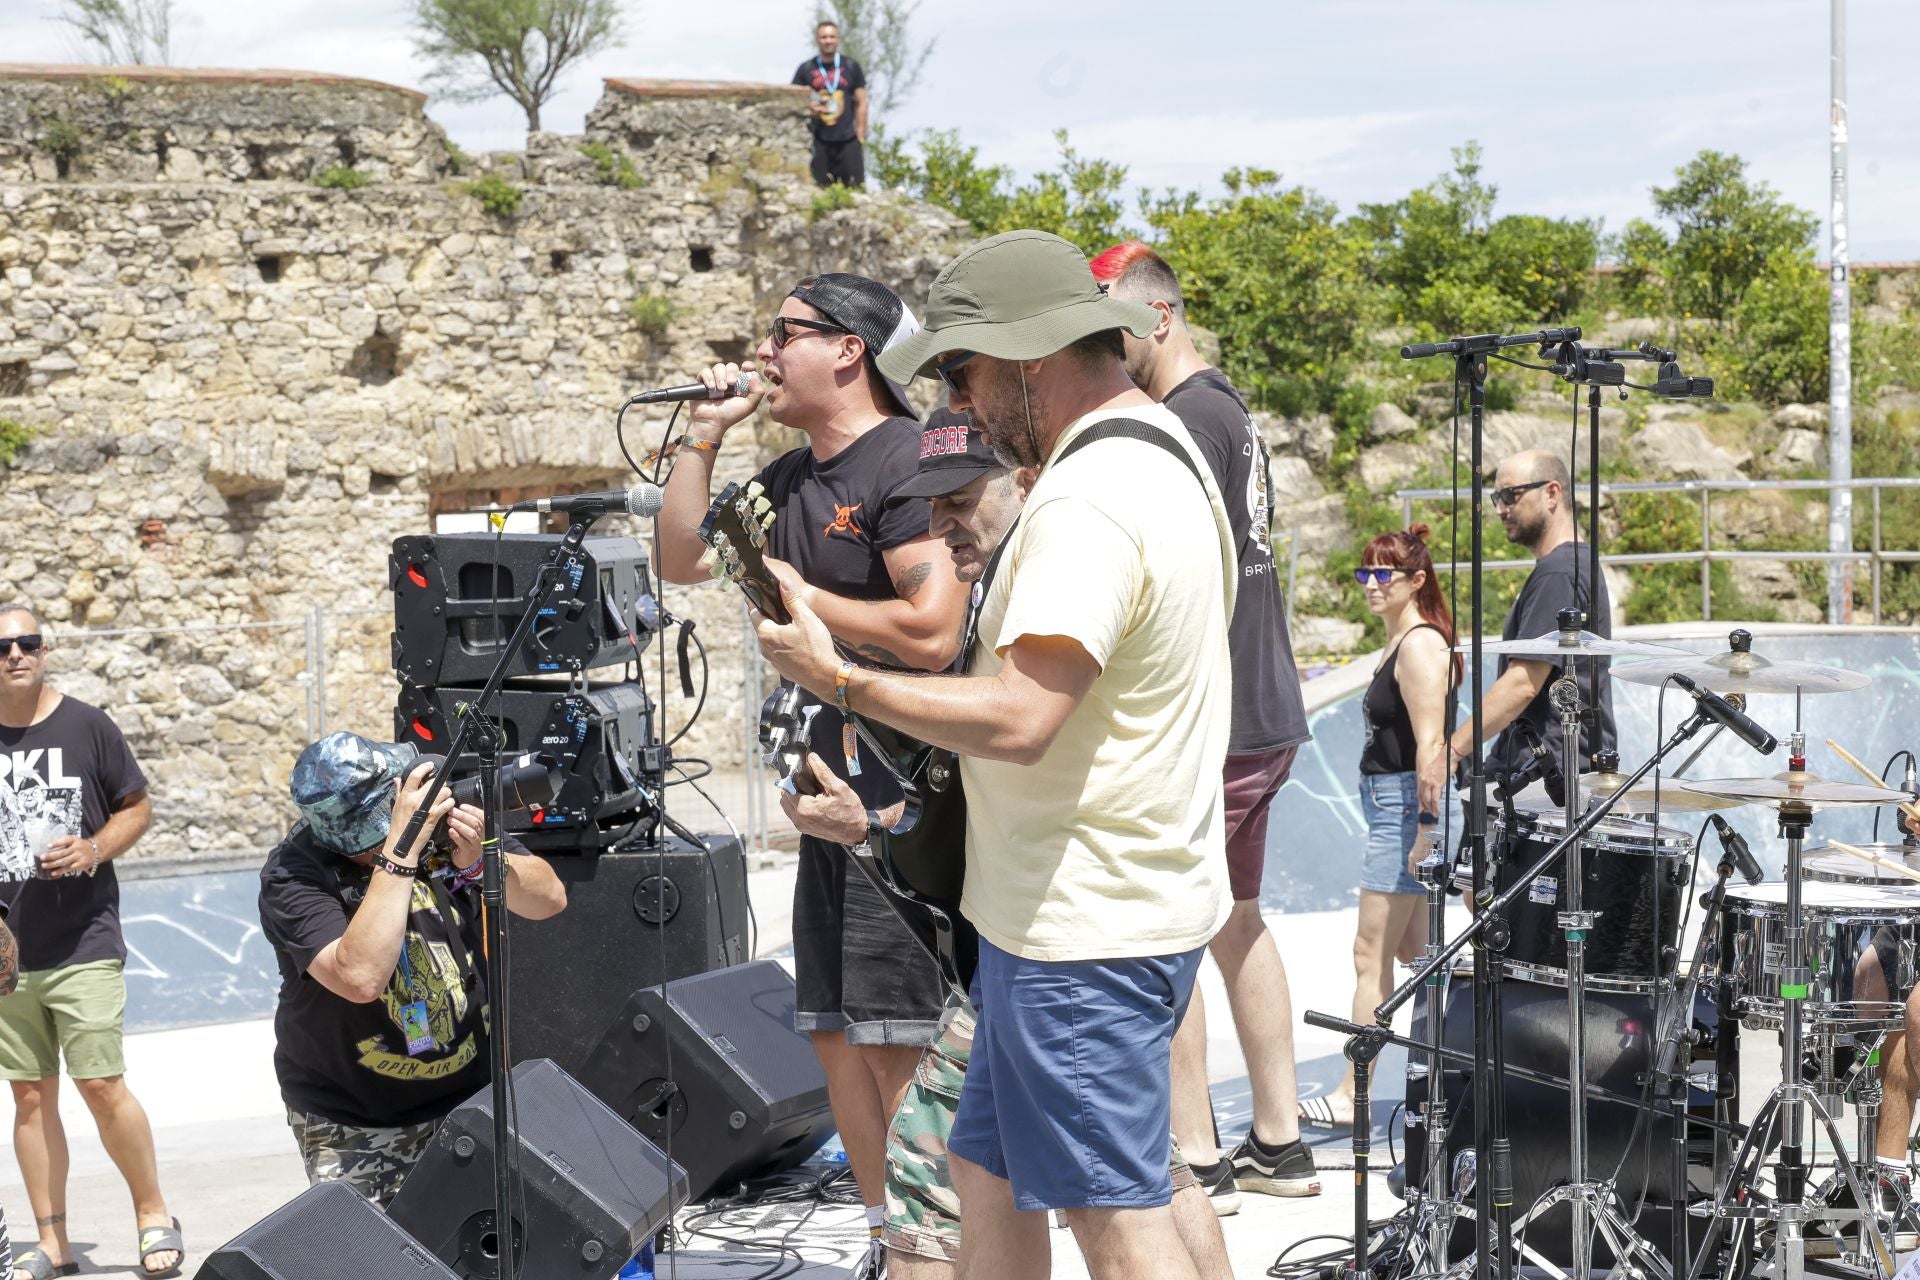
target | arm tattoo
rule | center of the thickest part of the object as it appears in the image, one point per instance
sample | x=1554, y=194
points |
x=907, y=583
x=878, y=654
x=9, y=960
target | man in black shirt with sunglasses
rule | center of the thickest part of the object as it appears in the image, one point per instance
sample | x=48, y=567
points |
x=866, y=996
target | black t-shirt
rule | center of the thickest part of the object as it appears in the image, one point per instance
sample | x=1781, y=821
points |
x=1268, y=710
x=1536, y=612
x=832, y=524
x=348, y=1062
x=1390, y=745
x=63, y=776
x=832, y=82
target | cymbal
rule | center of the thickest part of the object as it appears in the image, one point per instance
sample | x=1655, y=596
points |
x=1598, y=786
x=1843, y=868
x=1562, y=644
x=1735, y=672
x=1800, y=790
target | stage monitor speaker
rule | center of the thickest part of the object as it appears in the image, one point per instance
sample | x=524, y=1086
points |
x=601, y=738
x=457, y=596
x=327, y=1231
x=632, y=920
x=594, y=1190
x=1534, y=1036
x=711, y=1069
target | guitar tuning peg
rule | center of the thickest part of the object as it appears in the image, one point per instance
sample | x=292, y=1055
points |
x=707, y=560
x=755, y=488
x=763, y=508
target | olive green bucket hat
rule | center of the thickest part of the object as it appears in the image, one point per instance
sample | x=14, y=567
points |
x=1020, y=295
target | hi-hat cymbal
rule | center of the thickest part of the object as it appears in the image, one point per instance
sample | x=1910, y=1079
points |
x=1797, y=790
x=1562, y=644
x=1598, y=786
x=1736, y=672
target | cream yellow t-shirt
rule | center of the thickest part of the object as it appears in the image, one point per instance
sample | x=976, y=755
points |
x=1113, y=844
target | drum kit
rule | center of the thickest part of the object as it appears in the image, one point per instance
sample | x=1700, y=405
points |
x=1824, y=957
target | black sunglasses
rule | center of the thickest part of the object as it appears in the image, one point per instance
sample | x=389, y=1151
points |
x=947, y=368
x=1380, y=576
x=28, y=644
x=1511, y=494
x=780, y=332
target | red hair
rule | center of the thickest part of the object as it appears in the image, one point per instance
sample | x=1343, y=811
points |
x=1113, y=263
x=1406, y=549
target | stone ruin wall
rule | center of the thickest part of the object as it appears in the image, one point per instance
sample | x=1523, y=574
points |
x=241, y=387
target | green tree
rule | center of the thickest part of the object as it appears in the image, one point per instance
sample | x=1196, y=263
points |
x=947, y=173
x=1080, y=200
x=878, y=35
x=1776, y=347
x=517, y=47
x=120, y=32
x=1727, y=229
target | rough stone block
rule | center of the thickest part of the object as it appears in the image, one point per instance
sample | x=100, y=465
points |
x=245, y=458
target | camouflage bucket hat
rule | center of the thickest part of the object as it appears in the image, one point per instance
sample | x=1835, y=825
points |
x=343, y=786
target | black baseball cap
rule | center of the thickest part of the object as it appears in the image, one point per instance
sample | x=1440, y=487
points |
x=869, y=311
x=953, y=454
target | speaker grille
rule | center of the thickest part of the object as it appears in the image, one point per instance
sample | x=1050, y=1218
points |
x=746, y=1013
x=327, y=1231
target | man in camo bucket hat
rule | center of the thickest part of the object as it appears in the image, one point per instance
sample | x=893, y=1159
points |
x=381, y=1028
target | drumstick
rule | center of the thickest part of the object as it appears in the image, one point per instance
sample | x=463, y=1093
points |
x=1881, y=863
x=1912, y=811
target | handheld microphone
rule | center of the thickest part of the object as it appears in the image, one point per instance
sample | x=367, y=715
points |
x=695, y=391
x=1715, y=707
x=642, y=499
x=1735, y=846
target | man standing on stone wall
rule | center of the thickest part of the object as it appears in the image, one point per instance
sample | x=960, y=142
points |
x=866, y=996
x=72, y=799
x=836, y=110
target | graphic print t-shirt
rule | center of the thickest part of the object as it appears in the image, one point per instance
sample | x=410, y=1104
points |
x=1268, y=709
x=63, y=776
x=833, y=87
x=348, y=1062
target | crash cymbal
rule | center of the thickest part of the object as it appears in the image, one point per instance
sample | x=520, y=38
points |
x=1737, y=672
x=1799, y=790
x=1598, y=786
x=1561, y=644
x=1823, y=862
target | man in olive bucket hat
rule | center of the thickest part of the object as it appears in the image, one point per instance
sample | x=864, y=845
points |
x=382, y=1023
x=1092, y=725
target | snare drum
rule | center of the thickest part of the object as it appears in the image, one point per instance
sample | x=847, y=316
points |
x=1826, y=863
x=1849, y=927
x=1632, y=870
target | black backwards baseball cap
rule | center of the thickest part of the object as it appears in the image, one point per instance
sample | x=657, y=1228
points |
x=953, y=454
x=869, y=311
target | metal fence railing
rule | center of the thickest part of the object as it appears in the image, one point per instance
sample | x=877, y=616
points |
x=1876, y=555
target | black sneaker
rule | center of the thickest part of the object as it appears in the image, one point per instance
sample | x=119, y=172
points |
x=1216, y=1179
x=1275, y=1171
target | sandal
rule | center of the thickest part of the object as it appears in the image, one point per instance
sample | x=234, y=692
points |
x=1318, y=1113
x=39, y=1266
x=161, y=1240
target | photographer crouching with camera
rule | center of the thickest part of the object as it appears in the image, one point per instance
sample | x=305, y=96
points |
x=382, y=1023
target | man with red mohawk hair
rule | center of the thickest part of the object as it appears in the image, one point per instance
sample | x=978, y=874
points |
x=1269, y=725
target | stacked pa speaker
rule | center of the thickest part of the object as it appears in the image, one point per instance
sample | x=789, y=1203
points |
x=456, y=600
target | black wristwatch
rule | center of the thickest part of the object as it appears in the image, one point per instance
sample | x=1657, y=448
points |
x=876, y=827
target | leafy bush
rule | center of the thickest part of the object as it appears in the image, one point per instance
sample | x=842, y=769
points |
x=13, y=438
x=61, y=139
x=496, y=195
x=458, y=161
x=652, y=313
x=341, y=178
x=830, y=199
x=614, y=167
x=1079, y=200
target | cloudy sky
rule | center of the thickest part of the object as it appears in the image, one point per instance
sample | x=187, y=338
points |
x=1579, y=108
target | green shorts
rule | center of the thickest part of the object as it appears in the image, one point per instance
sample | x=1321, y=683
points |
x=75, y=1010
x=923, y=1213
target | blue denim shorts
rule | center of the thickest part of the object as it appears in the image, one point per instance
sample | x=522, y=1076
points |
x=1390, y=803
x=1067, y=1091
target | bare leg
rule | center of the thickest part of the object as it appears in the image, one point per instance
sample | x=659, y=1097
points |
x=997, y=1241
x=1131, y=1244
x=858, y=1111
x=40, y=1144
x=891, y=1066
x=128, y=1138
x=1199, y=1229
x=1262, y=1019
x=1896, y=1071
x=1192, y=1104
x=911, y=1266
x=1389, y=926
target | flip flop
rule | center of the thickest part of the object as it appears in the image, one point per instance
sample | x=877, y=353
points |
x=40, y=1267
x=1318, y=1113
x=159, y=1240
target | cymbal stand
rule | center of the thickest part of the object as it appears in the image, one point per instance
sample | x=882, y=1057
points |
x=1434, y=1116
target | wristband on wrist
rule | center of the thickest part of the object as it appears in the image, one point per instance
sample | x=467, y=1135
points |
x=840, y=681
x=95, y=846
x=691, y=441
x=1429, y=819
x=392, y=868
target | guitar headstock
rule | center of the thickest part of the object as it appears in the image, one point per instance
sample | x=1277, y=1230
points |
x=786, y=727
x=735, y=531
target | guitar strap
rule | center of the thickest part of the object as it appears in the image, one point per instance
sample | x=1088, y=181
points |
x=1120, y=428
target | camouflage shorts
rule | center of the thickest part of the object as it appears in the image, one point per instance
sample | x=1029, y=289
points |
x=373, y=1162
x=923, y=1213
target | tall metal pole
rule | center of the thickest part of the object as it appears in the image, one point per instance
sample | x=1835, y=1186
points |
x=1839, y=338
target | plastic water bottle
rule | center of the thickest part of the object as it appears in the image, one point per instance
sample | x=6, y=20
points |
x=640, y=1267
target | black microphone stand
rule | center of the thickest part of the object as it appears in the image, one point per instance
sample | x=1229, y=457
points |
x=565, y=567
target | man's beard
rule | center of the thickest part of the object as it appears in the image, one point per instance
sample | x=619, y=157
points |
x=1008, y=425
x=1526, y=532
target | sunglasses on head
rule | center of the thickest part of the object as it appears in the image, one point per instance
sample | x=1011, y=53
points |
x=1380, y=577
x=781, y=331
x=948, y=367
x=1511, y=494
x=28, y=644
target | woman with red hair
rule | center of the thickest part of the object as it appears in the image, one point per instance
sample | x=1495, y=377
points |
x=1409, y=710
